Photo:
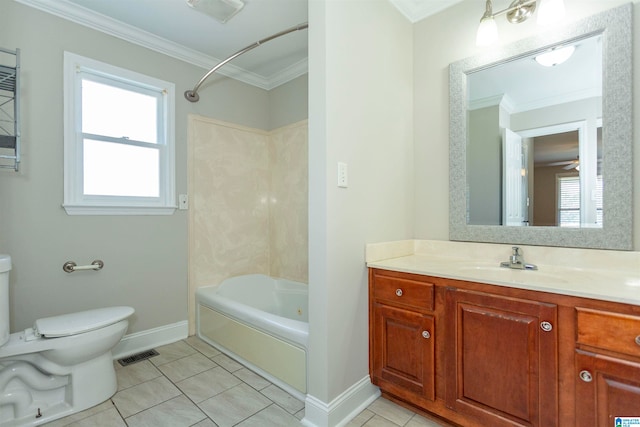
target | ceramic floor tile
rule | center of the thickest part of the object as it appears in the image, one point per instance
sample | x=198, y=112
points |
x=272, y=416
x=108, y=418
x=234, y=405
x=283, y=399
x=171, y=352
x=80, y=415
x=186, y=367
x=420, y=421
x=136, y=373
x=378, y=421
x=389, y=410
x=206, y=423
x=227, y=363
x=144, y=396
x=207, y=384
x=177, y=412
x=361, y=419
x=202, y=346
x=251, y=378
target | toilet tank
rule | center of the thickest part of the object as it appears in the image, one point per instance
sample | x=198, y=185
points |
x=5, y=267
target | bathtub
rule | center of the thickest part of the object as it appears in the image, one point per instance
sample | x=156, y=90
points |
x=262, y=322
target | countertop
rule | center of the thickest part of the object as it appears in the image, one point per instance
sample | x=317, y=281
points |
x=605, y=275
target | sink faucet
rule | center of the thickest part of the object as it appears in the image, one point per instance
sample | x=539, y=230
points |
x=516, y=261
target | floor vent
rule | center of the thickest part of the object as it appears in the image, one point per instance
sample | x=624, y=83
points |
x=137, y=357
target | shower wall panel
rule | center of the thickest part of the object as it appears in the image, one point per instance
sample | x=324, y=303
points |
x=289, y=214
x=248, y=202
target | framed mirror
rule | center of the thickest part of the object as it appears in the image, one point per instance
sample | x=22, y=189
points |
x=541, y=155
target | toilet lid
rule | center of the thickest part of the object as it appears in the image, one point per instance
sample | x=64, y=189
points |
x=83, y=321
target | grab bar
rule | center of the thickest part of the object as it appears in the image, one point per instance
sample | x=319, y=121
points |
x=70, y=266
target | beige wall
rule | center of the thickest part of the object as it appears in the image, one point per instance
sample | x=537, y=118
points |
x=248, y=193
x=485, y=178
x=145, y=256
x=361, y=113
x=448, y=37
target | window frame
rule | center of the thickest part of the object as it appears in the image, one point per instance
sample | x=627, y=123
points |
x=560, y=177
x=75, y=201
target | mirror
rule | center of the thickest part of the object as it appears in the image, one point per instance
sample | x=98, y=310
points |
x=515, y=143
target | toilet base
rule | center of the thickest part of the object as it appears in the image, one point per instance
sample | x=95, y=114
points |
x=31, y=398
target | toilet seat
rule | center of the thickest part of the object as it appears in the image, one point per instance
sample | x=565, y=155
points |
x=80, y=322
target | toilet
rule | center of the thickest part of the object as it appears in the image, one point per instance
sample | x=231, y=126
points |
x=61, y=366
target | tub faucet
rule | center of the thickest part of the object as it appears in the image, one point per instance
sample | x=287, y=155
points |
x=516, y=261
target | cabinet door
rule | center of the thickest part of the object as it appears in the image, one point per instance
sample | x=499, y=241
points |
x=606, y=388
x=402, y=351
x=501, y=359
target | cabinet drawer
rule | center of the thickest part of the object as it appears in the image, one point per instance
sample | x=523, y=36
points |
x=404, y=291
x=609, y=331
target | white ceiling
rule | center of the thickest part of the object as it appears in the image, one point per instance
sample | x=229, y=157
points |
x=174, y=28
x=529, y=85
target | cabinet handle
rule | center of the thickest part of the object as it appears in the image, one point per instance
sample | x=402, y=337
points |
x=638, y=340
x=399, y=292
x=426, y=335
x=546, y=326
x=586, y=376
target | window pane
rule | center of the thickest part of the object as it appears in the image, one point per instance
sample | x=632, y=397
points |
x=112, y=169
x=116, y=112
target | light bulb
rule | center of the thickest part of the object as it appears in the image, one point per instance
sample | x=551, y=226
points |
x=487, y=32
x=551, y=11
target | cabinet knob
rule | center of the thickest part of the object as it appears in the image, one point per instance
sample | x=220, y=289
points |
x=399, y=292
x=546, y=326
x=638, y=340
x=586, y=376
x=426, y=335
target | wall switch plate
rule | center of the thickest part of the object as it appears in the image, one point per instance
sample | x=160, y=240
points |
x=183, y=202
x=343, y=175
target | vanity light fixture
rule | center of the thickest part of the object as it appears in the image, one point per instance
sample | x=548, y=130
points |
x=518, y=11
x=555, y=56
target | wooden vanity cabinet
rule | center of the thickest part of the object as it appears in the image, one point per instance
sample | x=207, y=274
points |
x=401, y=335
x=607, y=367
x=500, y=356
x=502, y=365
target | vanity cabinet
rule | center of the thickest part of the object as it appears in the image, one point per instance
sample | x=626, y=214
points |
x=502, y=360
x=607, y=367
x=482, y=355
x=401, y=335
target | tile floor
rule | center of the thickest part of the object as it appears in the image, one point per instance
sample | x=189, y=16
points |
x=192, y=384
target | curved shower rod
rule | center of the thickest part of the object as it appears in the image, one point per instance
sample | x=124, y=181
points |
x=192, y=95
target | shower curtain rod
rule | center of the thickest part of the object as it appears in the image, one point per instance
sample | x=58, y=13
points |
x=192, y=95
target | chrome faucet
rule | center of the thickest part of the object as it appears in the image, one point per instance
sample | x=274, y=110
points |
x=516, y=261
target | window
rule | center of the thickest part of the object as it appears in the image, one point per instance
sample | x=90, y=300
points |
x=119, y=140
x=569, y=201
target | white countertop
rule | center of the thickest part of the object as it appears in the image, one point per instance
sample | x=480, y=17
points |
x=605, y=275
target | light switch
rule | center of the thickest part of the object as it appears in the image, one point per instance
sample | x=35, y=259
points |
x=343, y=175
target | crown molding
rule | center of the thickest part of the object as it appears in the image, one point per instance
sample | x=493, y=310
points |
x=96, y=21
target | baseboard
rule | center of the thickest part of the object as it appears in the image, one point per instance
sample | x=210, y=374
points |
x=145, y=340
x=343, y=408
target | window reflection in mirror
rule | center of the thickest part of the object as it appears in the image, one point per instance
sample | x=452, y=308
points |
x=534, y=140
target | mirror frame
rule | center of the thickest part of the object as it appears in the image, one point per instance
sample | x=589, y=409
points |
x=616, y=27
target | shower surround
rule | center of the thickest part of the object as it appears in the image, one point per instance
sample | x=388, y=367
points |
x=248, y=197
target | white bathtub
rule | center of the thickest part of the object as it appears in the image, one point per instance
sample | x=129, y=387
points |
x=262, y=322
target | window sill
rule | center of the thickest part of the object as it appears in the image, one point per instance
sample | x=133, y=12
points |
x=118, y=210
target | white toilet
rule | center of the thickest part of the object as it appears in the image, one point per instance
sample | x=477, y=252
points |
x=60, y=366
